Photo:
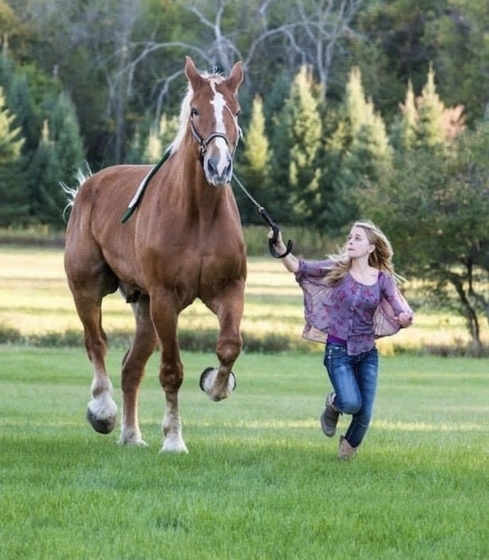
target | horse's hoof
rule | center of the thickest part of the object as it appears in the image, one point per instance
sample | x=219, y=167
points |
x=208, y=376
x=101, y=426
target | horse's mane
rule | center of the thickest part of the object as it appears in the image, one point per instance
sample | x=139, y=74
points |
x=184, y=117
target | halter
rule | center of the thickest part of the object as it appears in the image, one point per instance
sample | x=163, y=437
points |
x=204, y=142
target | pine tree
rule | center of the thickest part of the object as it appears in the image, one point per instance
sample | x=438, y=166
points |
x=253, y=165
x=362, y=148
x=57, y=159
x=430, y=111
x=407, y=130
x=13, y=202
x=10, y=137
x=45, y=206
x=297, y=148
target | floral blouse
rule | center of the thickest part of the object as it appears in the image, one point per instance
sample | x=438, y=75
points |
x=349, y=310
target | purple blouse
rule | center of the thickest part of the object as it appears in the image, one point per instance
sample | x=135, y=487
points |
x=349, y=310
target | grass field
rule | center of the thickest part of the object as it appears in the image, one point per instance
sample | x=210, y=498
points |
x=34, y=298
x=260, y=481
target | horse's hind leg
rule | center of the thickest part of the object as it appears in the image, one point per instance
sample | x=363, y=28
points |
x=133, y=366
x=90, y=280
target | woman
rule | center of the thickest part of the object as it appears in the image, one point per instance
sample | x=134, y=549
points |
x=351, y=299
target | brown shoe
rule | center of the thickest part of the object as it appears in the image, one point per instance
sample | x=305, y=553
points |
x=329, y=418
x=346, y=451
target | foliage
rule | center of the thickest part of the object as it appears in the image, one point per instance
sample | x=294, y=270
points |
x=253, y=165
x=11, y=189
x=51, y=149
x=361, y=148
x=434, y=205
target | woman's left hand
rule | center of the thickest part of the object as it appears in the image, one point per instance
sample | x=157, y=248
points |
x=405, y=319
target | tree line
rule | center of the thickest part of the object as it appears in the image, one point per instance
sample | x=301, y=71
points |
x=351, y=108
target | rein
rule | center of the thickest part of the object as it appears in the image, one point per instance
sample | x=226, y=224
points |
x=136, y=199
x=203, y=143
x=266, y=216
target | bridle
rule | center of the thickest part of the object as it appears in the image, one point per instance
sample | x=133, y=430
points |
x=204, y=142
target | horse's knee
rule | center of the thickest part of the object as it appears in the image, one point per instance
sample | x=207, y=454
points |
x=228, y=350
x=171, y=377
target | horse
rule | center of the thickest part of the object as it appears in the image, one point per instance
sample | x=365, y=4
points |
x=184, y=241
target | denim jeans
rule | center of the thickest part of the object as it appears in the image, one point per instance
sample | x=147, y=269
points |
x=354, y=380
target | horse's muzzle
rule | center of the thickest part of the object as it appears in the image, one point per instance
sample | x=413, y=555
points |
x=218, y=173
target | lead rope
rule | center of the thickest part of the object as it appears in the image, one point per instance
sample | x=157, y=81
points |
x=136, y=199
x=266, y=216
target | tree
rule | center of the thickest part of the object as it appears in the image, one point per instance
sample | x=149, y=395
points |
x=298, y=142
x=10, y=137
x=57, y=158
x=253, y=165
x=405, y=129
x=12, y=195
x=360, y=149
x=434, y=207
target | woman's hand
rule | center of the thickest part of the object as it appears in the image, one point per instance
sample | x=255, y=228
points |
x=279, y=243
x=290, y=262
x=405, y=319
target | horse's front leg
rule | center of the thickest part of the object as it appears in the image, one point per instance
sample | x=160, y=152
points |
x=164, y=313
x=219, y=382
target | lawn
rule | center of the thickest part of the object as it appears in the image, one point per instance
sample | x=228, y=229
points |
x=34, y=298
x=260, y=481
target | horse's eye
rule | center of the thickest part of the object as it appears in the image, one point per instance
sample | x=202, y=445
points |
x=194, y=112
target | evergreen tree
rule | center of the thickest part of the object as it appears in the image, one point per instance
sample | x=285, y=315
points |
x=297, y=150
x=405, y=131
x=430, y=111
x=160, y=138
x=45, y=193
x=154, y=148
x=362, y=150
x=253, y=165
x=10, y=137
x=12, y=195
x=57, y=159
x=304, y=173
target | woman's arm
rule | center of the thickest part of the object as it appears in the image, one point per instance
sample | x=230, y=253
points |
x=404, y=313
x=290, y=262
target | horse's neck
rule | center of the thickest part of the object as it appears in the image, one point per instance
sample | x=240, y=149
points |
x=191, y=192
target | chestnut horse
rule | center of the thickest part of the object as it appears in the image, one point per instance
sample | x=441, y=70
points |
x=183, y=242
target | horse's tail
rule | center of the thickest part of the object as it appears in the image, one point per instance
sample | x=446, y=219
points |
x=81, y=176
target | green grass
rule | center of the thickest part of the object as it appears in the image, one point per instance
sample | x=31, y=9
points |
x=260, y=481
x=35, y=301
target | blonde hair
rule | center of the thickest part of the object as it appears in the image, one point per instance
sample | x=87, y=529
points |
x=380, y=257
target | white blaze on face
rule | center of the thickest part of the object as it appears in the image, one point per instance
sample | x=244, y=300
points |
x=219, y=105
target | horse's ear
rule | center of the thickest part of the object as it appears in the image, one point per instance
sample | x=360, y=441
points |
x=192, y=73
x=235, y=77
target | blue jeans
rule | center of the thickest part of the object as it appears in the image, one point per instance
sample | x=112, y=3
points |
x=354, y=380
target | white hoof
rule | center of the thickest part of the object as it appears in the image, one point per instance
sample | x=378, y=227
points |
x=102, y=415
x=207, y=382
x=128, y=438
x=174, y=444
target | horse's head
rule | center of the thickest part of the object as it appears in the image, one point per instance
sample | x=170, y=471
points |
x=213, y=119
